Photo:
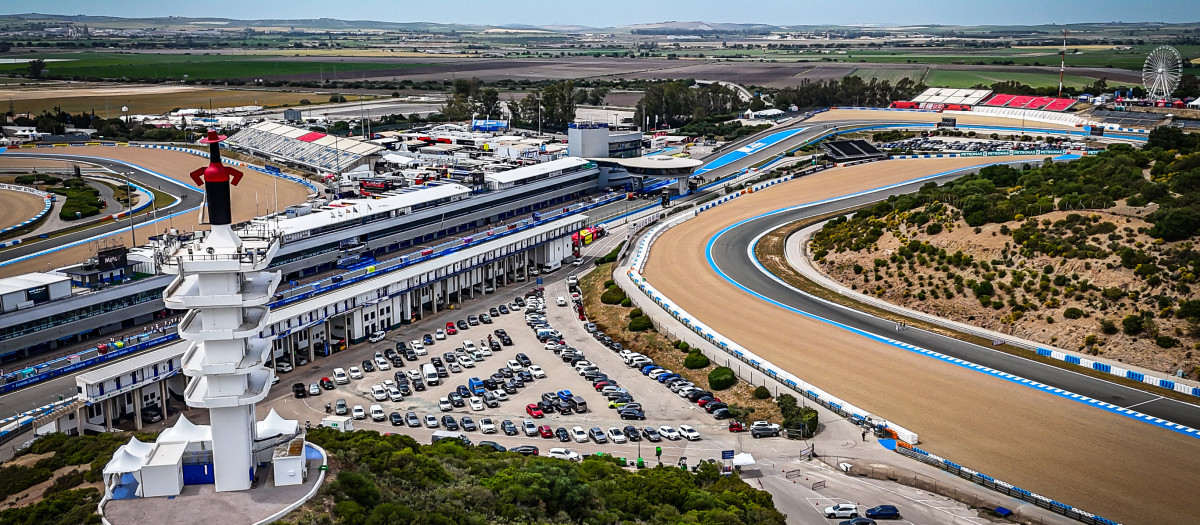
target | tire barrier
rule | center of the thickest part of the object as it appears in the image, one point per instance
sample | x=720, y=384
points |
x=46, y=197
x=1113, y=369
x=1002, y=487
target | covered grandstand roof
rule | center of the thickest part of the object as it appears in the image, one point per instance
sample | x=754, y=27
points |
x=526, y=172
x=952, y=96
x=849, y=150
x=304, y=147
x=1128, y=119
x=352, y=209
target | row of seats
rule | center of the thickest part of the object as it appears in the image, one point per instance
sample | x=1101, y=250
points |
x=1050, y=117
x=299, y=151
x=1030, y=102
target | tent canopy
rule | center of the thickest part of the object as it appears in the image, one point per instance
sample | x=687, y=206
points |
x=138, y=448
x=124, y=462
x=186, y=431
x=275, y=425
x=743, y=459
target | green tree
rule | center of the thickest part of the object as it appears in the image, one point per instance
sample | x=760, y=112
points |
x=695, y=360
x=721, y=378
x=36, y=67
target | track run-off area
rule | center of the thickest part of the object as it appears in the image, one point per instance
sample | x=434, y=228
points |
x=1101, y=460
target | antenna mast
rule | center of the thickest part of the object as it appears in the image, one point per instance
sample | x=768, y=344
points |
x=1062, y=68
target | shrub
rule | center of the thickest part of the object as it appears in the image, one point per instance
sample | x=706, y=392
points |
x=641, y=324
x=695, y=360
x=761, y=393
x=609, y=284
x=1072, y=313
x=1132, y=324
x=636, y=312
x=627, y=302
x=934, y=228
x=613, y=295
x=1108, y=327
x=721, y=378
x=684, y=347
x=1165, y=341
x=797, y=417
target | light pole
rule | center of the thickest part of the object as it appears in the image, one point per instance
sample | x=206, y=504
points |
x=129, y=202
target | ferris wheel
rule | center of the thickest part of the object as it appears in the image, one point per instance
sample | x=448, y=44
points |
x=1161, y=72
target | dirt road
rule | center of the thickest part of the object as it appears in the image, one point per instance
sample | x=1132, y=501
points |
x=1108, y=464
x=252, y=196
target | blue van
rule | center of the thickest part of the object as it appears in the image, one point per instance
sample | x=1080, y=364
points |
x=475, y=385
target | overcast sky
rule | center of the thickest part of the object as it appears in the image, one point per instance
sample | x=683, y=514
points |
x=624, y=12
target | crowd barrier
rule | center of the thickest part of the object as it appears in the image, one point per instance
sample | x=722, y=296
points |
x=1002, y=487
x=888, y=109
x=46, y=198
x=1109, y=368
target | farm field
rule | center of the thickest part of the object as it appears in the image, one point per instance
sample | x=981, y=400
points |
x=966, y=79
x=196, y=66
x=107, y=102
x=890, y=75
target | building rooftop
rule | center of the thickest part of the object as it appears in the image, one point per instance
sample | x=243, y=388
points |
x=525, y=172
x=341, y=210
x=18, y=283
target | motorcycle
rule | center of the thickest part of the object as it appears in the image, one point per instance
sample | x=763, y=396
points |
x=328, y=408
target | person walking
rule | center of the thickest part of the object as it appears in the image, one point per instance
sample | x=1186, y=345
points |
x=864, y=435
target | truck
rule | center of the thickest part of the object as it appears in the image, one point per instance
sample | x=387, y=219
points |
x=430, y=373
x=339, y=423
x=475, y=385
x=445, y=434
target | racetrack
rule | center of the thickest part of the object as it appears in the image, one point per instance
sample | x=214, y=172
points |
x=255, y=195
x=1102, y=462
x=17, y=207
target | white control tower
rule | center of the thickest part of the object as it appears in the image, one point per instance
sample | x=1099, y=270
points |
x=222, y=282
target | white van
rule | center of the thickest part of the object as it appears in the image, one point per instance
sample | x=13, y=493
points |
x=430, y=373
x=340, y=377
x=551, y=266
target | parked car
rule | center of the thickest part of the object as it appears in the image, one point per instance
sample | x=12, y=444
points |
x=358, y=412
x=616, y=435
x=508, y=427
x=412, y=420
x=377, y=336
x=579, y=434
x=883, y=512
x=667, y=432
x=597, y=435
x=842, y=510
x=689, y=433
x=525, y=450
x=486, y=426
x=299, y=390
x=431, y=421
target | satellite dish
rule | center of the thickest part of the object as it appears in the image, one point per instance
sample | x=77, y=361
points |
x=1161, y=72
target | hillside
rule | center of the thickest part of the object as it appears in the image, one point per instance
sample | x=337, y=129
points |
x=1097, y=255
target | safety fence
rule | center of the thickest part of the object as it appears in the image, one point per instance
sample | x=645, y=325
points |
x=1109, y=368
x=1002, y=487
x=47, y=198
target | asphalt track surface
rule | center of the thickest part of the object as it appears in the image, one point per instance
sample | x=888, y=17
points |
x=189, y=197
x=1098, y=460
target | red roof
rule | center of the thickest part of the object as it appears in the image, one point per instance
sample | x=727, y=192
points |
x=309, y=137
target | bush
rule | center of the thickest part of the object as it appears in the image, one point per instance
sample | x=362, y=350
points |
x=695, y=360
x=684, y=347
x=721, y=378
x=627, y=302
x=614, y=295
x=609, y=284
x=336, y=98
x=1132, y=324
x=1108, y=327
x=1072, y=313
x=1166, y=342
x=37, y=178
x=934, y=228
x=641, y=324
x=796, y=417
x=762, y=393
x=636, y=312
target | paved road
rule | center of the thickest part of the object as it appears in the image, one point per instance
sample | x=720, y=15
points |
x=190, y=199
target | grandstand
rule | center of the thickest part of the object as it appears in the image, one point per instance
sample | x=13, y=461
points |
x=1127, y=119
x=1033, y=115
x=967, y=97
x=1029, y=102
x=851, y=150
x=303, y=148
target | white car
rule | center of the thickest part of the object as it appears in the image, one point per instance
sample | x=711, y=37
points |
x=382, y=364
x=486, y=426
x=468, y=345
x=560, y=300
x=418, y=347
x=340, y=377
x=439, y=334
x=444, y=404
x=842, y=510
x=658, y=372
x=579, y=434
x=395, y=395
x=377, y=413
x=551, y=346
x=562, y=453
x=537, y=372
x=388, y=383
x=580, y=365
x=431, y=421
x=413, y=375
x=358, y=413
x=355, y=373
x=377, y=336
x=485, y=351
x=283, y=367
x=378, y=392
x=466, y=361
x=500, y=395
x=689, y=433
x=529, y=428
x=514, y=364
x=668, y=432
x=476, y=403
x=616, y=435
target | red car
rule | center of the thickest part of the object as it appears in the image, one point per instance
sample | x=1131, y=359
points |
x=450, y=329
x=533, y=410
x=703, y=402
x=545, y=431
x=737, y=426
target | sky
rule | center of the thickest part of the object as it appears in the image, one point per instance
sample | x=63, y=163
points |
x=609, y=13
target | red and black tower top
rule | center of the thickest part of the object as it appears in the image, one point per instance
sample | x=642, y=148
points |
x=216, y=178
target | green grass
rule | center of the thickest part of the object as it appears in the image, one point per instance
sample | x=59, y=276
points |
x=890, y=75
x=196, y=67
x=966, y=79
